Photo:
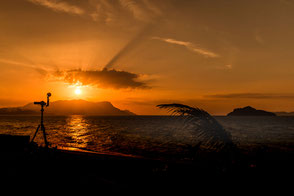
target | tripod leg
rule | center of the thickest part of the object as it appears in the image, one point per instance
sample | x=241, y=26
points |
x=44, y=134
x=35, y=133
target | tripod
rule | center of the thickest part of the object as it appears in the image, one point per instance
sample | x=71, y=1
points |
x=41, y=125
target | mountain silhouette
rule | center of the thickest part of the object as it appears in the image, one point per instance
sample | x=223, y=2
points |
x=69, y=107
x=250, y=111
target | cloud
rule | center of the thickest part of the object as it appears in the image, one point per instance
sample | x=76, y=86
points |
x=135, y=9
x=251, y=96
x=115, y=12
x=224, y=67
x=38, y=69
x=141, y=10
x=59, y=6
x=104, y=11
x=106, y=78
x=190, y=46
x=228, y=66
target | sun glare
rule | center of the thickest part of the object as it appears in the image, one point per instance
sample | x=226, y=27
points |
x=78, y=91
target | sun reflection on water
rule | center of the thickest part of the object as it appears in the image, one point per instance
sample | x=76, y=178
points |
x=77, y=129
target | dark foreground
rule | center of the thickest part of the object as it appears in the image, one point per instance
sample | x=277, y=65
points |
x=32, y=166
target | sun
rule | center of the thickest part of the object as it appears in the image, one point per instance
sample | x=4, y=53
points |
x=78, y=91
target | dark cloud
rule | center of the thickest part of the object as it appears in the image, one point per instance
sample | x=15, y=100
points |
x=106, y=78
x=252, y=96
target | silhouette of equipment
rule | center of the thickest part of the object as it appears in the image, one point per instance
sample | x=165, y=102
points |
x=41, y=125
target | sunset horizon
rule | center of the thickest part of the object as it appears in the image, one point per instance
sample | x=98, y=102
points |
x=147, y=96
x=159, y=112
x=165, y=53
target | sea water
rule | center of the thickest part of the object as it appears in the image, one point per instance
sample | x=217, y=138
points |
x=147, y=135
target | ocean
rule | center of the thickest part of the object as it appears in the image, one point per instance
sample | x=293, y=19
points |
x=150, y=136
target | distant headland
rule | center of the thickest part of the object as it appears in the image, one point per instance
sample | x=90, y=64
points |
x=250, y=111
x=69, y=107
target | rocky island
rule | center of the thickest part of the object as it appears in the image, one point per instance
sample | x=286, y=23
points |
x=250, y=111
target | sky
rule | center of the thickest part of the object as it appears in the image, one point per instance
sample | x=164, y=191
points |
x=213, y=54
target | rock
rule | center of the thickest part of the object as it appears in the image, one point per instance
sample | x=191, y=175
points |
x=250, y=111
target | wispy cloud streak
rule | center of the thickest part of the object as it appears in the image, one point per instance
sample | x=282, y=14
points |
x=141, y=10
x=251, y=96
x=112, y=12
x=190, y=46
x=59, y=6
x=39, y=69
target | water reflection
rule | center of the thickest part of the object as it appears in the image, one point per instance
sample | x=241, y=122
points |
x=77, y=131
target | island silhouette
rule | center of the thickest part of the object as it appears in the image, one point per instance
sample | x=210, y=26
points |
x=69, y=107
x=250, y=111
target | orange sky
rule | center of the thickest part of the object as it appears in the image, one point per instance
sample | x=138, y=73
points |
x=214, y=54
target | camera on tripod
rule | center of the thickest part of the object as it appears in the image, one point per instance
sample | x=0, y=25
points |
x=42, y=103
x=41, y=125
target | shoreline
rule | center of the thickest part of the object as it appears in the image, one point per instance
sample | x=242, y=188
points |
x=124, y=173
